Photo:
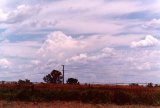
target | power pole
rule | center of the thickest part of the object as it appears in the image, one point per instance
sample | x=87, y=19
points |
x=63, y=73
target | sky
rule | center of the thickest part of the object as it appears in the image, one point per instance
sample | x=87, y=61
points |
x=98, y=41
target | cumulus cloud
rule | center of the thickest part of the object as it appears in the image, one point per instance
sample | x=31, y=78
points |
x=61, y=47
x=3, y=16
x=143, y=66
x=57, y=45
x=4, y=63
x=22, y=13
x=83, y=58
x=77, y=58
x=149, y=41
x=154, y=23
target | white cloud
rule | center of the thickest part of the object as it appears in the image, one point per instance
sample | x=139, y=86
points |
x=22, y=13
x=143, y=66
x=84, y=58
x=59, y=44
x=149, y=41
x=75, y=17
x=92, y=50
x=3, y=16
x=61, y=47
x=4, y=63
x=78, y=58
x=154, y=23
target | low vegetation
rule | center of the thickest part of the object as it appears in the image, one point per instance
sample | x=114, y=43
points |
x=105, y=94
x=63, y=104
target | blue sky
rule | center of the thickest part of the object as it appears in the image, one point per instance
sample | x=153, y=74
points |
x=98, y=41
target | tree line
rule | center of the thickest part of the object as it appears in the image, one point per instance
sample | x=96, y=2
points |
x=56, y=77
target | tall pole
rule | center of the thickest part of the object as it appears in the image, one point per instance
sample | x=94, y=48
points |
x=63, y=73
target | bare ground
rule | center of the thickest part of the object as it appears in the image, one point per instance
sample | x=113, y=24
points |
x=61, y=104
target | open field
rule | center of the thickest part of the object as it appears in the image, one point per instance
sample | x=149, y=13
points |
x=93, y=94
x=63, y=104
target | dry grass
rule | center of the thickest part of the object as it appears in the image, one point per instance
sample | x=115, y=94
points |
x=68, y=86
x=112, y=94
x=61, y=104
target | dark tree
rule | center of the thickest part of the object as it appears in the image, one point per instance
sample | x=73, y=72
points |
x=26, y=81
x=72, y=81
x=134, y=84
x=54, y=77
x=150, y=85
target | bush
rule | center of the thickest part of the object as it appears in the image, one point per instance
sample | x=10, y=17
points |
x=72, y=81
x=24, y=95
x=122, y=97
x=96, y=96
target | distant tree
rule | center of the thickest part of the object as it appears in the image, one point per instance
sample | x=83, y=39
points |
x=54, y=77
x=150, y=85
x=156, y=85
x=72, y=81
x=26, y=81
x=134, y=84
x=3, y=82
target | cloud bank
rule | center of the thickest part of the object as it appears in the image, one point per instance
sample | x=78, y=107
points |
x=97, y=42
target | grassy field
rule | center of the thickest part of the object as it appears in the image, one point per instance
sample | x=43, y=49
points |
x=63, y=104
x=93, y=94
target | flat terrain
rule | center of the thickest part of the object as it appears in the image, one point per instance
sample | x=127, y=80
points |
x=101, y=96
x=62, y=104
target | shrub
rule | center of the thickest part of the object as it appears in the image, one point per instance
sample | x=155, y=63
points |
x=24, y=95
x=96, y=96
x=122, y=97
x=72, y=81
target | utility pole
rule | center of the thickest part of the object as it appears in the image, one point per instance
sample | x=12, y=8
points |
x=63, y=73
